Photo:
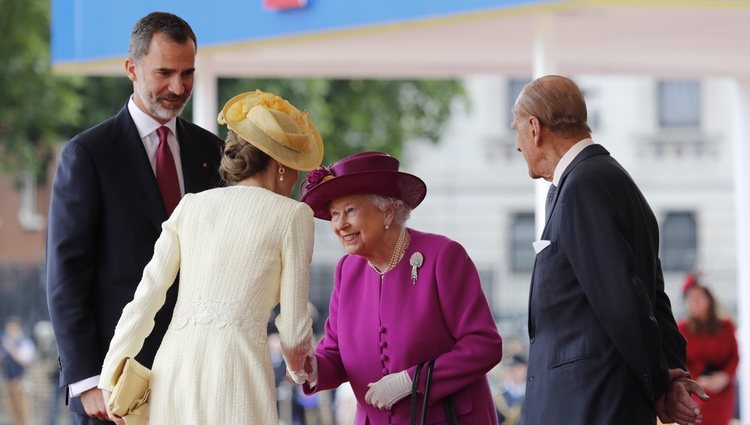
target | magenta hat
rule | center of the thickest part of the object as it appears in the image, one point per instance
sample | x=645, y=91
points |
x=361, y=173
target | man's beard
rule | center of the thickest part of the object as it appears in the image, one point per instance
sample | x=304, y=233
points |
x=157, y=109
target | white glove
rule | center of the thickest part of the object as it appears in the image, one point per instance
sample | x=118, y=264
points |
x=298, y=377
x=302, y=376
x=388, y=390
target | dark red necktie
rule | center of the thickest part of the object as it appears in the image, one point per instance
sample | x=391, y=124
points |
x=166, y=172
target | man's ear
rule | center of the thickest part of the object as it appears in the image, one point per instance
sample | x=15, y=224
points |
x=130, y=69
x=536, y=129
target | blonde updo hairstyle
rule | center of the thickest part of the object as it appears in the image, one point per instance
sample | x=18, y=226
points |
x=241, y=159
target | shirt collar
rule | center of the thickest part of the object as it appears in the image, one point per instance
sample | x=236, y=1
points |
x=145, y=124
x=568, y=158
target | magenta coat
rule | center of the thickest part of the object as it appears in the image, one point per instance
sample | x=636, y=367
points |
x=380, y=326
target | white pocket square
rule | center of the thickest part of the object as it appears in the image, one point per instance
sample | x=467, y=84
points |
x=540, y=245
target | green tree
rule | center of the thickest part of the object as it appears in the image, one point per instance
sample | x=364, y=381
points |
x=101, y=98
x=35, y=105
x=359, y=115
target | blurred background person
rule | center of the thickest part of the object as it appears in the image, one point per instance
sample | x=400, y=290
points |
x=510, y=396
x=16, y=352
x=712, y=354
x=47, y=370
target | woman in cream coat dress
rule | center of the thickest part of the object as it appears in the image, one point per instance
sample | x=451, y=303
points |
x=239, y=251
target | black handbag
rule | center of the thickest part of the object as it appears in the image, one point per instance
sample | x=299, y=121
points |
x=448, y=406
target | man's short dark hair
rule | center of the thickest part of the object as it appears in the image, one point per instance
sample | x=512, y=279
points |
x=172, y=26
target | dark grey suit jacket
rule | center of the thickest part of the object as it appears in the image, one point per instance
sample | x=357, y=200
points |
x=602, y=333
x=105, y=215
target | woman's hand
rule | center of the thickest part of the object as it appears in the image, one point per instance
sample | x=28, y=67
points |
x=112, y=417
x=311, y=368
x=296, y=377
x=308, y=374
x=93, y=403
x=388, y=390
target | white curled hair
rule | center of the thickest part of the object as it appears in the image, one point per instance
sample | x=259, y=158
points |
x=401, y=211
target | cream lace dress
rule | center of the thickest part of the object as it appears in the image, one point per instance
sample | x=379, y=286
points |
x=240, y=251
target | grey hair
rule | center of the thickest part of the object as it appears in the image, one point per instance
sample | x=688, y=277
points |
x=401, y=211
x=172, y=26
x=557, y=102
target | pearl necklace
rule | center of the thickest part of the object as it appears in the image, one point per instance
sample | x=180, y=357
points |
x=398, y=251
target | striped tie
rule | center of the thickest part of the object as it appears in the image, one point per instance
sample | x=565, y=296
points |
x=550, y=198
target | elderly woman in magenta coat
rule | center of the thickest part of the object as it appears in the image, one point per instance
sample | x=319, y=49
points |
x=401, y=298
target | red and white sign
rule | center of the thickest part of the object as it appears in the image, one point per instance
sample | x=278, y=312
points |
x=284, y=4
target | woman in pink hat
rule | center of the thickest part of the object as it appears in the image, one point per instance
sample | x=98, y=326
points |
x=401, y=298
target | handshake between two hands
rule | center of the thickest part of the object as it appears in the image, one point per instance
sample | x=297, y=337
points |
x=309, y=373
x=382, y=394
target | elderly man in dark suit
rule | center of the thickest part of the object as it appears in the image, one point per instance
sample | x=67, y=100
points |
x=604, y=345
x=115, y=185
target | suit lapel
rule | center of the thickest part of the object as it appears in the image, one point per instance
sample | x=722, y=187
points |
x=137, y=168
x=588, y=152
x=188, y=157
x=196, y=167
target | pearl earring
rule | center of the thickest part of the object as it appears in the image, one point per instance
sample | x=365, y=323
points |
x=282, y=171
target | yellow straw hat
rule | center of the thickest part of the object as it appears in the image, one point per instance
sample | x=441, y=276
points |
x=276, y=127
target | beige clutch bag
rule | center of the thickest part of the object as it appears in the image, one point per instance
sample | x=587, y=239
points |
x=129, y=398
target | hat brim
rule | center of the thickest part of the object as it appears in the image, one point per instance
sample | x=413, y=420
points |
x=292, y=159
x=247, y=130
x=392, y=184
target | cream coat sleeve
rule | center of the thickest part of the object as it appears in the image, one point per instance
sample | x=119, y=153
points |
x=137, y=320
x=294, y=322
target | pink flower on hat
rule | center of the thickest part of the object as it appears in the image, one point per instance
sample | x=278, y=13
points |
x=317, y=176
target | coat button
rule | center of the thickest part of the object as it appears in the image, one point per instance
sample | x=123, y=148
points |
x=385, y=371
x=384, y=358
x=382, y=329
x=383, y=344
x=531, y=340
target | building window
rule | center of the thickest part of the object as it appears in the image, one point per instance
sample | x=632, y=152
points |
x=679, y=241
x=521, y=235
x=28, y=215
x=679, y=104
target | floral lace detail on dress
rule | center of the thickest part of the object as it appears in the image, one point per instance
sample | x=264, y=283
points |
x=219, y=314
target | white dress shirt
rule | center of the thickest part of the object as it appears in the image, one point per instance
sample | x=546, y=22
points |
x=568, y=158
x=147, y=130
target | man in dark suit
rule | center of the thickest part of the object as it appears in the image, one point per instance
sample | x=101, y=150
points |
x=604, y=345
x=115, y=185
